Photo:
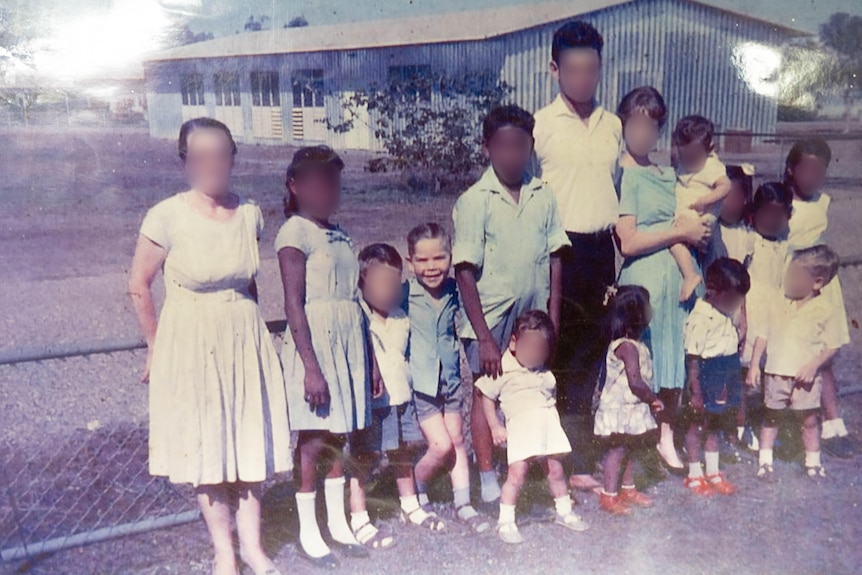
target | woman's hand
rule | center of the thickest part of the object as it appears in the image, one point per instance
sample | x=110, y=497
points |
x=696, y=402
x=316, y=389
x=693, y=230
x=145, y=376
x=656, y=406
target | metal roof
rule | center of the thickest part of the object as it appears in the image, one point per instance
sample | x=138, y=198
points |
x=462, y=26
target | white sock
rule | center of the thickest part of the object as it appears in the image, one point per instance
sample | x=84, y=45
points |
x=563, y=505
x=507, y=514
x=765, y=457
x=812, y=459
x=833, y=428
x=490, y=485
x=409, y=504
x=695, y=470
x=359, y=519
x=336, y=520
x=711, y=462
x=423, y=499
x=309, y=531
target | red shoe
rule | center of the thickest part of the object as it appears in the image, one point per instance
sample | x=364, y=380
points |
x=699, y=486
x=634, y=498
x=721, y=485
x=613, y=505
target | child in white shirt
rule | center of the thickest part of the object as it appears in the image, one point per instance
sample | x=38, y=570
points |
x=798, y=345
x=533, y=434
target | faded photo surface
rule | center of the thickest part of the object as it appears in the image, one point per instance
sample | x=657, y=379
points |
x=458, y=286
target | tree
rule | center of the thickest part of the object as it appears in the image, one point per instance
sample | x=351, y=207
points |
x=19, y=86
x=808, y=77
x=252, y=25
x=843, y=35
x=428, y=124
x=183, y=35
x=297, y=22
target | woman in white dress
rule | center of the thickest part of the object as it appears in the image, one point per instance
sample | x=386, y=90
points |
x=218, y=412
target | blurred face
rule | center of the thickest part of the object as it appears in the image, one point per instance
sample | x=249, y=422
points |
x=799, y=283
x=531, y=348
x=641, y=134
x=381, y=287
x=770, y=220
x=430, y=262
x=318, y=193
x=509, y=151
x=727, y=302
x=209, y=161
x=808, y=175
x=578, y=73
x=733, y=207
x=692, y=157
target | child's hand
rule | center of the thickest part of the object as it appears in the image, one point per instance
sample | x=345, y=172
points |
x=700, y=206
x=377, y=385
x=696, y=402
x=806, y=376
x=499, y=434
x=316, y=389
x=753, y=377
x=489, y=358
x=656, y=406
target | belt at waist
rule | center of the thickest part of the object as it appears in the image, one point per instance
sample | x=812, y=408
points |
x=211, y=296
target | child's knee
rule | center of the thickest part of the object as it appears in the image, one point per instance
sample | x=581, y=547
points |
x=809, y=420
x=555, y=470
x=772, y=417
x=457, y=440
x=517, y=474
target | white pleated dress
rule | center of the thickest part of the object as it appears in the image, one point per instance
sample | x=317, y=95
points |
x=338, y=331
x=620, y=410
x=217, y=405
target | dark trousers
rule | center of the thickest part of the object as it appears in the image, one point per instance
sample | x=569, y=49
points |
x=588, y=269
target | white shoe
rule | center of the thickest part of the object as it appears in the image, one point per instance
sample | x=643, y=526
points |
x=509, y=533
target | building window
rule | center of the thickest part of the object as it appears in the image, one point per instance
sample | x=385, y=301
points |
x=192, y=88
x=226, y=87
x=412, y=81
x=308, y=89
x=264, y=89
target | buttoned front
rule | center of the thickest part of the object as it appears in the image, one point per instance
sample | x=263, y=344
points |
x=795, y=334
x=434, y=351
x=580, y=163
x=510, y=244
x=709, y=333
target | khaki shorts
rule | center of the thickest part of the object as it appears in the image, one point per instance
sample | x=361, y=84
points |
x=782, y=392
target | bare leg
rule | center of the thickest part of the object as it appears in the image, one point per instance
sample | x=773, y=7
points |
x=829, y=394
x=690, y=278
x=248, y=527
x=810, y=433
x=214, y=501
x=556, y=477
x=514, y=482
x=461, y=471
x=440, y=453
x=612, y=468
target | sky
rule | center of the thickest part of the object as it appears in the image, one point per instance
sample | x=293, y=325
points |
x=75, y=39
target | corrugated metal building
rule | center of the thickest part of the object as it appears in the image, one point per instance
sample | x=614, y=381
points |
x=280, y=86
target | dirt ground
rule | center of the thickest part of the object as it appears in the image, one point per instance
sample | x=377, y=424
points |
x=71, y=206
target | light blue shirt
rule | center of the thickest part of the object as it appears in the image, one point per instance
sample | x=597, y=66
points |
x=434, y=351
x=509, y=243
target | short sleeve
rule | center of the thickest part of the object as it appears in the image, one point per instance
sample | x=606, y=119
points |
x=713, y=170
x=468, y=216
x=628, y=195
x=157, y=225
x=489, y=386
x=293, y=234
x=557, y=237
x=763, y=316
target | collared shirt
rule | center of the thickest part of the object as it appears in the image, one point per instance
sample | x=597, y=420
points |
x=580, y=163
x=691, y=186
x=390, y=337
x=809, y=222
x=519, y=389
x=738, y=241
x=709, y=333
x=434, y=351
x=796, y=334
x=509, y=243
